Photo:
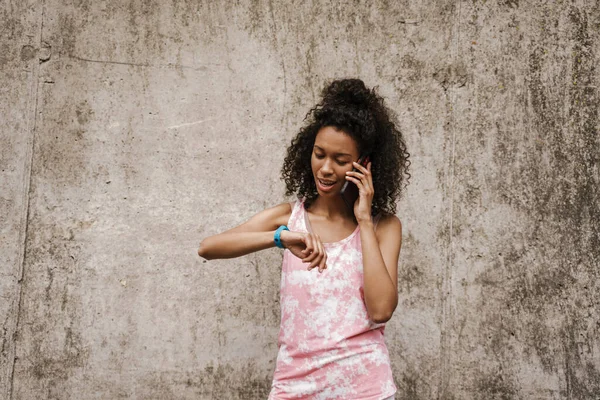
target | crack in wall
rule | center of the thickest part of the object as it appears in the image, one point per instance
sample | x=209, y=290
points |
x=446, y=295
x=34, y=95
x=147, y=65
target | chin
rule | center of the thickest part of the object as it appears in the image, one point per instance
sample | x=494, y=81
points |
x=328, y=194
x=335, y=192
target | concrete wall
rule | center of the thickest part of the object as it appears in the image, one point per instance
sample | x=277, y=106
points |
x=132, y=129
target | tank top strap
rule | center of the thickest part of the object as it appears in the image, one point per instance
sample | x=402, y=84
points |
x=376, y=221
x=295, y=223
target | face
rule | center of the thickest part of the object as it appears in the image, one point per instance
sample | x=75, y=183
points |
x=332, y=156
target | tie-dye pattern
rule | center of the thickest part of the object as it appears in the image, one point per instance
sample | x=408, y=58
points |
x=328, y=347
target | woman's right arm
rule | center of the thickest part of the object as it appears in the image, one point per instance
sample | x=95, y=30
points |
x=253, y=235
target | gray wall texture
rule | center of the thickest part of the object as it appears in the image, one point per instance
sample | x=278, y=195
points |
x=132, y=129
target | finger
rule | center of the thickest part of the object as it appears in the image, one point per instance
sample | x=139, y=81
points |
x=315, y=262
x=313, y=250
x=322, y=254
x=358, y=182
x=310, y=258
x=359, y=167
x=358, y=174
x=366, y=181
x=367, y=178
x=309, y=248
x=365, y=171
x=322, y=264
x=355, y=174
x=318, y=252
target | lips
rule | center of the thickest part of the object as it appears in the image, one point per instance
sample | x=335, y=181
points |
x=328, y=183
x=325, y=188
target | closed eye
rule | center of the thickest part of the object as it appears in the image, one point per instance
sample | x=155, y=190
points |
x=320, y=157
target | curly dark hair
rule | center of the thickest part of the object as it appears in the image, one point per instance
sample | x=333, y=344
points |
x=349, y=106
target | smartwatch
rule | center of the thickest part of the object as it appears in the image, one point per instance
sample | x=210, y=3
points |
x=277, y=237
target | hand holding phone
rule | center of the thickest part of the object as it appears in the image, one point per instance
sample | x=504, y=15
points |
x=349, y=191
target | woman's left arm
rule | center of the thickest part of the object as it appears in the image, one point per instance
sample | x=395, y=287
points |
x=380, y=252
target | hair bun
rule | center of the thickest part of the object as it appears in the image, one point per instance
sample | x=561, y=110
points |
x=347, y=91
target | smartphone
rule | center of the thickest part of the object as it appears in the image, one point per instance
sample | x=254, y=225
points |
x=349, y=191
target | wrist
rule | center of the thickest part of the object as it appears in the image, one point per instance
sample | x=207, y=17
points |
x=285, y=237
x=365, y=222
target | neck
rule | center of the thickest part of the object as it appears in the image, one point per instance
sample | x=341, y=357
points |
x=330, y=207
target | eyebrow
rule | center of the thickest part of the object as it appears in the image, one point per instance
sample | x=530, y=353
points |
x=336, y=154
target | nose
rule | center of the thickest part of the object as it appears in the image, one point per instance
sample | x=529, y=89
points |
x=327, y=169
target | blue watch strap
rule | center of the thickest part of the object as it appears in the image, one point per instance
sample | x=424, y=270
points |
x=277, y=237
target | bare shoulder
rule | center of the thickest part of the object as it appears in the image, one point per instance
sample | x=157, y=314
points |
x=267, y=220
x=281, y=213
x=389, y=225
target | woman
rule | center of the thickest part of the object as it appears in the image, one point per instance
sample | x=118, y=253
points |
x=331, y=342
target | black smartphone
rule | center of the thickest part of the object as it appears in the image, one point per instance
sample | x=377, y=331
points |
x=349, y=191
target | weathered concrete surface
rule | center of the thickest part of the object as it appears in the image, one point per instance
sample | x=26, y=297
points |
x=130, y=130
x=19, y=71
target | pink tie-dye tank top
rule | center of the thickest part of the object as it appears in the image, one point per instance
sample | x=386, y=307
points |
x=328, y=347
